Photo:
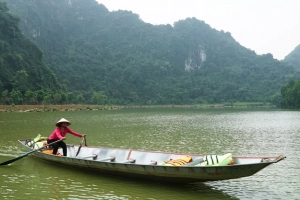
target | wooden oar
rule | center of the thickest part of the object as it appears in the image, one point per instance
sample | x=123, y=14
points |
x=25, y=154
x=83, y=139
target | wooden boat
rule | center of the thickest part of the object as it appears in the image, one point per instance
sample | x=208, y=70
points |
x=159, y=166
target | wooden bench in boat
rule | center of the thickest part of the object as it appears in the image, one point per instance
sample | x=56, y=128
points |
x=129, y=161
x=153, y=162
x=111, y=158
x=94, y=156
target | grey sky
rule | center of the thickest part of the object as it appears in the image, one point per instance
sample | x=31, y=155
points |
x=265, y=26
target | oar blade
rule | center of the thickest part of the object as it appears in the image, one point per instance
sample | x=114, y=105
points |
x=26, y=154
x=78, y=151
x=14, y=159
x=83, y=139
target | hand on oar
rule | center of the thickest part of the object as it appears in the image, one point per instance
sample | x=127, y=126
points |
x=25, y=154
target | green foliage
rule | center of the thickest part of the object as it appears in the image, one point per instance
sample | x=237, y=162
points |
x=16, y=97
x=4, y=96
x=290, y=94
x=70, y=97
x=57, y=98
x=40, y=95
x=21, y=63
x=47, y=97
x=99, y=98
x=80, y=99
x=131, y=62
x=29, y=97
x=294, y=58
x=276, y=99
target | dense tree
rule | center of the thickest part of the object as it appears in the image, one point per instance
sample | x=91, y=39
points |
x=80, y=99
x=4, y=95
x=29, y=97
x=291, y=94
x=57, y=98
x=16, y=97
x=21, y=62
x=294, y=58
x=99, y=98
x=70, y=97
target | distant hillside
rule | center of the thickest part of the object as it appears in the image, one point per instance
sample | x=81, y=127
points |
x=294, y=58
x=117, y=55
x=21, y=63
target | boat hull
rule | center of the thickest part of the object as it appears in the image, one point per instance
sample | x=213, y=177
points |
x=146, y=165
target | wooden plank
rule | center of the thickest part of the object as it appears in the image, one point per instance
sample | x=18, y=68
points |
x=130, y=161
x=153, y=162
x=108, y=159
x=94, y=156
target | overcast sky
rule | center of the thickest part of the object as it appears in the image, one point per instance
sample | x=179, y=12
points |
x=265, y=26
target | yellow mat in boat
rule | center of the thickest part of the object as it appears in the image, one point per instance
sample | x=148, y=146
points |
x=179, y=161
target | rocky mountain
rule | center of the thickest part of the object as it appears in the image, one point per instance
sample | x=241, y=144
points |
x=129, y=61
x=21, y=61
x=294, y=58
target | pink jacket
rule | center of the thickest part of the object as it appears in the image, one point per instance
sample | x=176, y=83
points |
x=57, y=134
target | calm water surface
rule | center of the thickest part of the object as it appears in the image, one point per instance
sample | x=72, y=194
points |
x=244, y=132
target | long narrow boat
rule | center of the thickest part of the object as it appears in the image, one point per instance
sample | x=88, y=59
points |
x=159, y=166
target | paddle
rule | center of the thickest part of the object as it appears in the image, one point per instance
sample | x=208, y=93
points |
x=83, y=139
x=25, y=154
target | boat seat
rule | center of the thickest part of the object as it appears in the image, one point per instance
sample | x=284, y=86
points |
x=94, y=156
x=153, y=162
x=130, y=161
x=112, y=158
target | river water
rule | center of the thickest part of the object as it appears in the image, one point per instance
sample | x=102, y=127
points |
x=242, y=132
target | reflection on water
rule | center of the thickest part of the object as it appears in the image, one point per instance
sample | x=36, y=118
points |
x=214, y=131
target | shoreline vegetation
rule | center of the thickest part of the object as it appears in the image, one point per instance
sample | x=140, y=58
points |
x=76, y=107
x=53, y=108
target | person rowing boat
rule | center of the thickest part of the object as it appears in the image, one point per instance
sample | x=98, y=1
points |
x=59, y=133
